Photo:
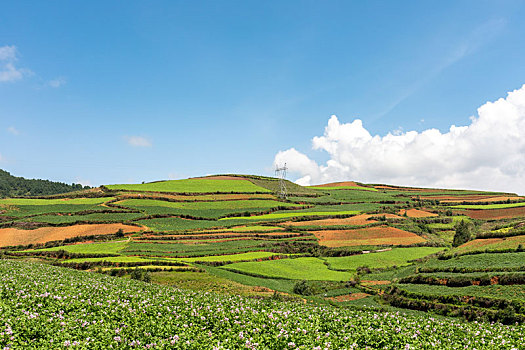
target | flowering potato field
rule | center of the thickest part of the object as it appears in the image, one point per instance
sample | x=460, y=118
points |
x=45, y=307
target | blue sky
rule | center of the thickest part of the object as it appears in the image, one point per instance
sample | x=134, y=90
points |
x=128, y=91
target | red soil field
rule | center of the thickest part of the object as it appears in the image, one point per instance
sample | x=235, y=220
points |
x=354, y=220
x=416, y=213
x=379, y=235
x=494, y=214
x=14, y=236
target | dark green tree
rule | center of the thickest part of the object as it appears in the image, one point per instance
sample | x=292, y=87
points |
x=463, y=233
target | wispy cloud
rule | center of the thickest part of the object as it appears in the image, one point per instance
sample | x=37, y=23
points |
x=57, y=82
x=138, y=141
x=467, y=46
x=13, y=131
x=9, y=72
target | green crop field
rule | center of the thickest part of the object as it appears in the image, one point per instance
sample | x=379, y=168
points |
x=299, y=268
x=194, y=249
x=101, y=312
x=232, y=257
x=455, y=219
x=177, y=224
x=478, y=262
x=113, y=259
x=396, y=256
x=194, y=186
x=512, y=292
x=203, y=209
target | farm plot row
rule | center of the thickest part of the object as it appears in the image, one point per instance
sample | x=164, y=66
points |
x=195, y=186
x=211, y=210
x=477, y=263
x=87, y=218
x=491, y=244
x=355, y=196
x=101, y=312
x=507, y=292
x=15, y=237
x=26, y=210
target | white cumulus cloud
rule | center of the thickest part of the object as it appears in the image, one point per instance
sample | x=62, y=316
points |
x=489, y=153
x=8, y=70
x=138, y=141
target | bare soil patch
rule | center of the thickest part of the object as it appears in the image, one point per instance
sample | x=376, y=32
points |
x=495, y=214
x=13, y=236
x=379, y=235
x=362, y=219
x=374, y=283
x=340, y=184
x=416, y=213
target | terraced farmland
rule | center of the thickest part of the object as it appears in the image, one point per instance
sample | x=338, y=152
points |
x=351, y=244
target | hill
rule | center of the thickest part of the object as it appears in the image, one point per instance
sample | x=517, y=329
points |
x=12, y=186
x=355, y=246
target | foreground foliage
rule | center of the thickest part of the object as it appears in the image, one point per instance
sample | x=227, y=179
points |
x=48, y=307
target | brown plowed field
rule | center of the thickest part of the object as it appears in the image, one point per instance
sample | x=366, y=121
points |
x=411, y=189
x=416, y=213
x=339, y=184
x=354, y=220
x=14, y=236
x=382, y=235
x=374, y=283
x=495, y=214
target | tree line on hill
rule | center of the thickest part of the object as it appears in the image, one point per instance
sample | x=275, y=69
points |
x=13, y=186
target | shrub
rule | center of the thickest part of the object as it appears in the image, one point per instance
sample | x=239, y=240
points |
x=303, y=288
